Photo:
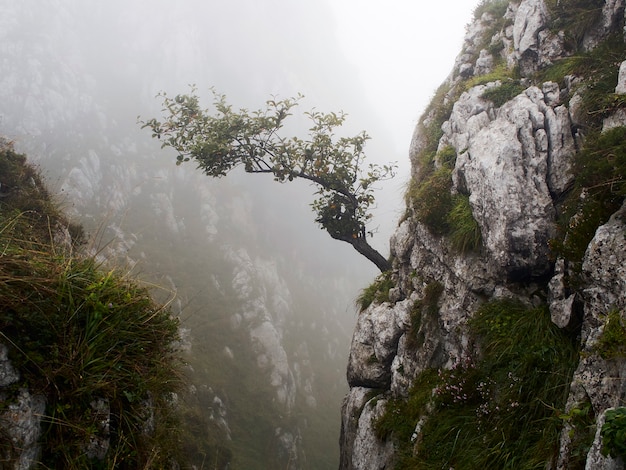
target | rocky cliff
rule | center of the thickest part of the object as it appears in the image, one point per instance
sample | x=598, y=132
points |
x=498, y=339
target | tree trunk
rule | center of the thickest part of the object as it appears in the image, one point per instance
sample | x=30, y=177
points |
x=361, y=245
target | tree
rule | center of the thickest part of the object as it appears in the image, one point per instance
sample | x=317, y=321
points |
x=225, y=139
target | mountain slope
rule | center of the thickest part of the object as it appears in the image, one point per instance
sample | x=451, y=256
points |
x=499, y=343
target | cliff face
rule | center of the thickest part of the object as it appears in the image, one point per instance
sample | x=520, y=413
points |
x=508, y=250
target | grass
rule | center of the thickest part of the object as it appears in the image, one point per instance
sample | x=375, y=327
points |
x=497, y=8
x=503, y=93
x=465, y=235
x=377, y=292
x=424, y=310
x=498, y=409
x=575, y=18
x=81, y=335
x=600, y=187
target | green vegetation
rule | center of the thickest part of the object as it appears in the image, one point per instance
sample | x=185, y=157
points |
x=424, y=310
x=600, y=166
x=575, y=18
x=614, y=433
x=222, y=139
x=432, y=201
x=582, y=420
x=497, y=8
x=90, y=340
x=612, y=342
x=436, y=207
x=599, y=190
x=503, y=93
x=465, y=235
x=377, y=292
x=495, y=410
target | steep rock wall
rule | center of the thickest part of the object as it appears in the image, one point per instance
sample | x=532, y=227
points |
x=515, y=163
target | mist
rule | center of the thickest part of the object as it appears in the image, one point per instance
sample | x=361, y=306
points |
x=266, y=298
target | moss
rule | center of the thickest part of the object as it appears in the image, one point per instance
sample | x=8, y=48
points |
x=612, y=342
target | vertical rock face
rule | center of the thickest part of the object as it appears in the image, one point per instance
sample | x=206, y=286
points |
x=515, y=138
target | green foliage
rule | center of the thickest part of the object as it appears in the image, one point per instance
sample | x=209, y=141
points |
x=614, y=433
x=503, y=93
x=600, y=170
x=497, y=8
x=575, y=18
x=581, y=419
x=424, y=310
x=612, y=342
x=500, y=73
x=600, y=166
x=377, y=292
x=598, y=70
x=223, y=139
x=465, y=234
x=432, y=200
x=80, y=335
x=496, y=410
x=437, y=112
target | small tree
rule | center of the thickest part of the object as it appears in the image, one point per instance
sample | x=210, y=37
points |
x=220, y=141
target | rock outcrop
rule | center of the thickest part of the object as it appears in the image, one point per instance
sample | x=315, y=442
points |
x=515, y=138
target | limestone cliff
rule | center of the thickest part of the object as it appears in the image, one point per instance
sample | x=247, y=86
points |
x=500, y=343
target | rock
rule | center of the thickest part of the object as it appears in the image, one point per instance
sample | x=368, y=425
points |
x=505, y=172
x=8, y=374
x=595, y=459
x=621, y=79
x=560, y=300
x=370, y=453
x=602, y=380
x=20, y=422
x=99, y=441
x=351, y=409
x=374, y=344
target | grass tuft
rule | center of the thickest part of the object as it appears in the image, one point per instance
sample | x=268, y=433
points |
x=90, y=340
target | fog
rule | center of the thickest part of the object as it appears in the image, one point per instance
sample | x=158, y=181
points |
x=253, y=278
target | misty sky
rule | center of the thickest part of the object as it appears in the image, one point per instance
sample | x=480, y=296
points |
x=378, y=61
x=402, y=51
